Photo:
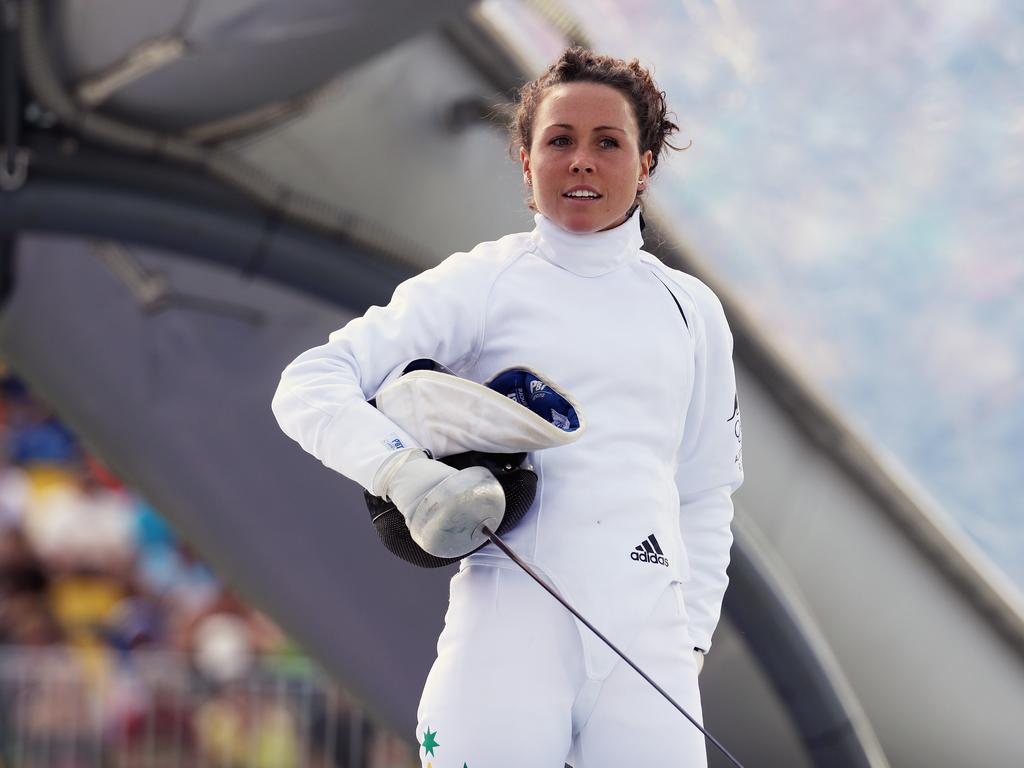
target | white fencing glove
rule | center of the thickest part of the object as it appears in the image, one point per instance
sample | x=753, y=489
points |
x=444, y=508
x=698, y=656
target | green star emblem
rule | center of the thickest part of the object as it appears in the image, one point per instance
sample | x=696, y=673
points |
x=429, y=741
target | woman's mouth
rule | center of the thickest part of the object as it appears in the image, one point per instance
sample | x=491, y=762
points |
x=583, y=195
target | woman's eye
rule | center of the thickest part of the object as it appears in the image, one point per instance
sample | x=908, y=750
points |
x=560, y=141
x=609, y=143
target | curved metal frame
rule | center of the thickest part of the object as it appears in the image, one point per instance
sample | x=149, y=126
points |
x=202, y=220
x=778, y=637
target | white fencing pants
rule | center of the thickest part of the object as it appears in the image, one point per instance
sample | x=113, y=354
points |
x=509, y=686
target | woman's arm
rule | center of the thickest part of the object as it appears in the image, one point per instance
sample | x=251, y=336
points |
x=321, y=399
x=710, y=469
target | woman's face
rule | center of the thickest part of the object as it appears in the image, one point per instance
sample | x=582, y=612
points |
x=584, y=162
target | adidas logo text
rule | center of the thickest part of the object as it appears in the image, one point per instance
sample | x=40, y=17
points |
x=649, y=551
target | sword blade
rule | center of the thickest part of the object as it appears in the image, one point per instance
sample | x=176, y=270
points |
x=500, y=544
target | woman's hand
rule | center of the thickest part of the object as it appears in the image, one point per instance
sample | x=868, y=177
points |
x=444, y=508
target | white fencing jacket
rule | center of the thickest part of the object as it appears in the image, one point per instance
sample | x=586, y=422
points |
x=644, y=350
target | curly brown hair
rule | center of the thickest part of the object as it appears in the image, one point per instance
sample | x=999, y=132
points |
x=577, y=64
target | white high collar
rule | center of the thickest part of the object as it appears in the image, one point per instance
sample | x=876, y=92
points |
x=591, y=254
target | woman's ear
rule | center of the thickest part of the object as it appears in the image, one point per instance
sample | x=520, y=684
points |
x=645, y=164
x=524, y=159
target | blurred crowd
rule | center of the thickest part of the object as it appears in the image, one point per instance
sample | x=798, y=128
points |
x=119, y=647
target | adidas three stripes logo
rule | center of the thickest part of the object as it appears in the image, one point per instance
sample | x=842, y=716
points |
x=649, y=551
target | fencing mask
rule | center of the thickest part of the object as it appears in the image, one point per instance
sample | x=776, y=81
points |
x=462, y=423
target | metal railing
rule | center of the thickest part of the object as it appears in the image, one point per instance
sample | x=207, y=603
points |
x=66, y=708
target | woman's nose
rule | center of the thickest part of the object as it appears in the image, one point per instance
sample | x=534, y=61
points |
x=582, y=165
